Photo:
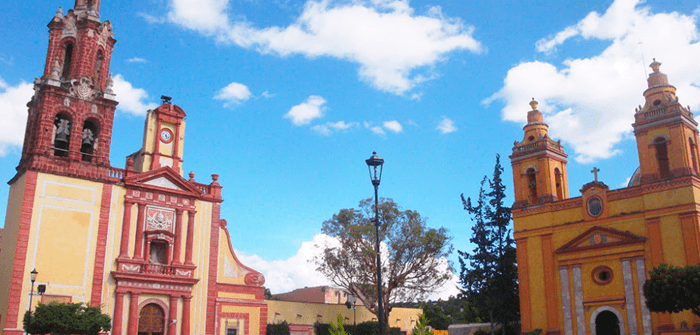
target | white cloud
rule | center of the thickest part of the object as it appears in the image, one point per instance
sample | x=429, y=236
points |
x=446, y=126
x=299, y=270
x=136, y=60
x=308, y=110
x=13, y=112
x=589, y=102
x=295, y=272
x=233, y=94
x=393, y=46
x=393, y=126
x=329, y=127
x=132, y=100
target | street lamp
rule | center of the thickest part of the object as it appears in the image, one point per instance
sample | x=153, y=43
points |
x=32, y=277
x=375, y=163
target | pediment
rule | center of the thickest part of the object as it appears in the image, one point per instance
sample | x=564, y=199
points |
x=600, y=238
x=163, y=178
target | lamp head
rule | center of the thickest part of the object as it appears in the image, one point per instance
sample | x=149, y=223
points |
x=375, y=166
x=33, y=275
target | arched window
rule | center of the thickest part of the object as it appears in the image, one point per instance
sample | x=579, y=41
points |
x=151, y=320
x=557, y=184
x=693, y=155
x=89, y=140
x=662, y=158
x=532, y=185
x=67, y=57
x=98, y=67
x=61, y=138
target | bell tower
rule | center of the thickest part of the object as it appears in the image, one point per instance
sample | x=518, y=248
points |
x=69, y=126
x=666, y=132
x=539, y=164
x=163, y=139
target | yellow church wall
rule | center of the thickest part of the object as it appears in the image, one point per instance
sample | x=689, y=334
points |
x=672, y=239
x=200, y=256
x=149, y=138
x=537, y=288
x=301, y=313
x=63, y=239
x=8, y=242
x=229, y=271
x=252, y=312
x=116, y=215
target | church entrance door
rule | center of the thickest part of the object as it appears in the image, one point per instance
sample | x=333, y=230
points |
x=151, y=320
x=606, y=323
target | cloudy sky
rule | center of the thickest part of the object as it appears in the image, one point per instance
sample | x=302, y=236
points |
x=286, y=99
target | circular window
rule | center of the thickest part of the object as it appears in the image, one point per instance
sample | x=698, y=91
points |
x=602, y=275
x=594, y=206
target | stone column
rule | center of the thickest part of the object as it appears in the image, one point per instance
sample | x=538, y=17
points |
x=133, y=314
x=629, y=296
x=185, y=322
x=566, y=300
x=126, y=226
x=578, y=298
x=138, y=248
x=118, y=312
x=641, y=279
x=178, y=237
x=172, y=326
x=190, y=237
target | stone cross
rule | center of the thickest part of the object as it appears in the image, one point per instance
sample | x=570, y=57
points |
x=595, y=173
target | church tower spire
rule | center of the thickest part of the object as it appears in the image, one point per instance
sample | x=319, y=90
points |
x=69, y=126
x=539, y=164
x=666, y=132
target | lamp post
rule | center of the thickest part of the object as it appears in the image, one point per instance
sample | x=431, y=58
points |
x=32, y=277
x=375, y=163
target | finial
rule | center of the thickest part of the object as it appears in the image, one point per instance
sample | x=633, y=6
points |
x=191, y=176
x=533, y=104
x=130, y=164
x=109, y=84
x=214, y=177
x=55, y=69
x=655, y=65
x=59, y=12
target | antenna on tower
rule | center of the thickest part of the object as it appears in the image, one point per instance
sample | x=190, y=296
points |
x=641, y=50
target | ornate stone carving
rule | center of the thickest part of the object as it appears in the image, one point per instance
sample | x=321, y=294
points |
x=183, y=273
x=83, y=89
x=159, y=219
x=255, y=279
x=131, y=268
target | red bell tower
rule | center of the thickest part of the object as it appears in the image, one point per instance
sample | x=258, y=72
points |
x=69, y=126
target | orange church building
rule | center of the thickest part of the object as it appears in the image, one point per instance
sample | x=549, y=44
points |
x=582, y=261
x=144, y=243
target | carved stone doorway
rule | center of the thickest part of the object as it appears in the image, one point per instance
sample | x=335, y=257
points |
x=151, y=320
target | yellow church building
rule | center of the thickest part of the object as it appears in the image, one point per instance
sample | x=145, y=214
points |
x=582, y=261
x=145, y=244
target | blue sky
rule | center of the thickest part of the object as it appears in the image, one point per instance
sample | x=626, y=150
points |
x=286, y=99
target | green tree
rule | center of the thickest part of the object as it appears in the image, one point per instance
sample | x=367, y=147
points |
x=413, y=255
x=489, y=274
x=434, y=314
x=337, y=328
x=55, y=318
x=421, y=327
x=673, y=289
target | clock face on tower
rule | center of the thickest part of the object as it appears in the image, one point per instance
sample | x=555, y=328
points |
x=166, y=135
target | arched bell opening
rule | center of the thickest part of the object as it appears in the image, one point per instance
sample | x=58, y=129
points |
x=61, y=134
x=89, y=140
